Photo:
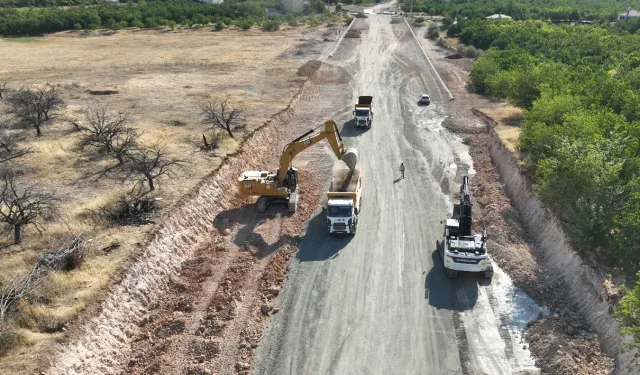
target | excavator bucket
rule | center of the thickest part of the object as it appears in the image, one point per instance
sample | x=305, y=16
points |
x=350, y=158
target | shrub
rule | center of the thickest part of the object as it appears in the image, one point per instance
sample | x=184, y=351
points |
x=469, y=51
x=292, y=22
x=244, y=24
x=418, y=20
x=442, y=42
x=271, y=25
x=220, y=26
x=433, y=31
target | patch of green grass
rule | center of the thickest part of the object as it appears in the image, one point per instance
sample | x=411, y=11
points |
x=26, y=39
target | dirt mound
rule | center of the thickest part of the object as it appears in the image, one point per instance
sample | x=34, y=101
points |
x=345, y=179
x=566, y=346
x=309, y=68
x=353, y=33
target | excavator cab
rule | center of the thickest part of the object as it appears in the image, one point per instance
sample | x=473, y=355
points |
x=291, y=179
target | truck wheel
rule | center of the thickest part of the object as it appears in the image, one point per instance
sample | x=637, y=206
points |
x=452, y=274
x=489, y=272
x=353, y=230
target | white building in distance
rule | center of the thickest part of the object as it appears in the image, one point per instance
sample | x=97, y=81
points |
x=498, y=16
x=629, y=14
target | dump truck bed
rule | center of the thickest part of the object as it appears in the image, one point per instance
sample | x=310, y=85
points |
x=345, y=181
x=365, y=100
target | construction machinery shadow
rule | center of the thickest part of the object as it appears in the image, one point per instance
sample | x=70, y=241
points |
x=459, y=294
x=318, y=245
x=248, y=220
x=349, y=129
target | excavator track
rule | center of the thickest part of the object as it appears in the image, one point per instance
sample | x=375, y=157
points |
x=262, y=204
x=293, y=202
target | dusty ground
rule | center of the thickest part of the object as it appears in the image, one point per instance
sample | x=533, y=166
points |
x=197, y=297
x=561, y=342
x=159, y=78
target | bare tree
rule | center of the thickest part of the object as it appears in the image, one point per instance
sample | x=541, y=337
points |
x=124, y=144
x=35, y=107
x=18, y=288
x=22, y=207
x=3, y=88
x=66, y=257
x=9, y=148
x=150, y=164
x=220, y=114
x=109, y=132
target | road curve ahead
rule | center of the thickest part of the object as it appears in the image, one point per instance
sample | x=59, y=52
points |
x=375, y=303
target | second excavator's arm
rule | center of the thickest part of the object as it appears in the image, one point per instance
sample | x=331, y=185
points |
x=307, y=140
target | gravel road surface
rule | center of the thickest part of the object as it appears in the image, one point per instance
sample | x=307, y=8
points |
x=379, y=302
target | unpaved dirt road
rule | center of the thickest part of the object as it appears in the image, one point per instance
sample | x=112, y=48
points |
x=375, y=303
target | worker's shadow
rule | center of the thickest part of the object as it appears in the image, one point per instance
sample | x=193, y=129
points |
x=318, y=245
x=459, y=294
x=248, y=220
x=349, y=129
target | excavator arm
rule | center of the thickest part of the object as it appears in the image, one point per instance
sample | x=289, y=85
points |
x=307, y=140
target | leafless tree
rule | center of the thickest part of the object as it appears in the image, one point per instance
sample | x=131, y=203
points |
x=124, y=144
x=150, y=163
x=18, y=288
x=109, y=132
x=3, y=88
x=220, y=114
x=22, y=207
x=9, y=148
x=66, y=257
x=35, y=107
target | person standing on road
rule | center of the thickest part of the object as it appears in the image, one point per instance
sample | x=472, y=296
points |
x=402, y=170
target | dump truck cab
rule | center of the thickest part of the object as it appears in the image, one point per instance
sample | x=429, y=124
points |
x=343, y=203
x=363, y=112
x=342, y=216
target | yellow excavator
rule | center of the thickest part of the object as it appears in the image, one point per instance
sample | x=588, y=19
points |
x=283, y=184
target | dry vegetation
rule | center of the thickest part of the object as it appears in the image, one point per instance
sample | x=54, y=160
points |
x=158, y=81
x=508, y=120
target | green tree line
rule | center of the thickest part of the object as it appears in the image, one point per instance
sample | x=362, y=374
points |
x=46, y=3
x=35, y=20
x=580, y=137
x=580, y=87
x=520, y=10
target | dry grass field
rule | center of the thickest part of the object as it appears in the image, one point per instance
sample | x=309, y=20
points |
x=159, y=77
x=508, y=127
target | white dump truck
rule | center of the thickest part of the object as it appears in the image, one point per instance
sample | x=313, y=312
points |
x=363, y=112
x=343, y=205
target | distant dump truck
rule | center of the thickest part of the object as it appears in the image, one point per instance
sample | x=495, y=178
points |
x=343, y=204
x=363, y=113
